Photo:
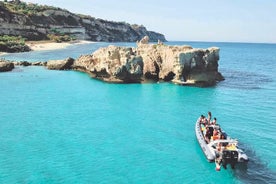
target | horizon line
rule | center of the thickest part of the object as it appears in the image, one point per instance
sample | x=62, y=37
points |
x=245, y=42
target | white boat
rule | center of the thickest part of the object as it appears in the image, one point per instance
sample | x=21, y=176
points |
x=225, y=151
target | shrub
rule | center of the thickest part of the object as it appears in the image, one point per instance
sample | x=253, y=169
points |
x=60, y=37
x=13, y=44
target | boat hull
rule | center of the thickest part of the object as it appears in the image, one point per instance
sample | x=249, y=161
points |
x=204, y=146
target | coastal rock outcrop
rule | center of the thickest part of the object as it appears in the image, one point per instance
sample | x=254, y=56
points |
x=112, y=64
x=27, y=63
x=6, y=66
x=158, y=62
x=65, y=64
x=14, y=48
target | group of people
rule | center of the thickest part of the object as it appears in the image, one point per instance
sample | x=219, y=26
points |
x=211, y=131
x=210, y=128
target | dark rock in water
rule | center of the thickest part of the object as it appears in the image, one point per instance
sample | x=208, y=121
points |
x=6, y=66
x=65, y=64
x=25, y=63
x=39, y=63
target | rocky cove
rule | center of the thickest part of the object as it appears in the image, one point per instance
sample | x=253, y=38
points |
x=182, y=65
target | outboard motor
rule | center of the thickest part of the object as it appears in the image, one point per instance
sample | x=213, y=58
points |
x=229, y=157
x=234, y=158
x=226, y=157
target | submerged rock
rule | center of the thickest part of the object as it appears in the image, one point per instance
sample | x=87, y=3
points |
x=158, y=62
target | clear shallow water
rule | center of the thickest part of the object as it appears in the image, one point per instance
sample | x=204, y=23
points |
x=64, y=127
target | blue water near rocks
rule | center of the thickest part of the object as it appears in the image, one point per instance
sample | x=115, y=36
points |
x=64, y=127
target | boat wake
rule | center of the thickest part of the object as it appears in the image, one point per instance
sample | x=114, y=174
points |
x=255, y=171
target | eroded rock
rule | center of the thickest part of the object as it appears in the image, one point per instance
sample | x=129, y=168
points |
x=158, y=62
x=6, y=66
x=65, y=64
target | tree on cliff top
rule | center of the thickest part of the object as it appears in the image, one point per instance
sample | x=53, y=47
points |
x=21, y=7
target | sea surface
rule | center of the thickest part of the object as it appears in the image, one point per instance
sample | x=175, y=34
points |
x=65, y=127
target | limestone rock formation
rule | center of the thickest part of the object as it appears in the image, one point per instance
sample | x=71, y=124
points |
x=158, y=62
x=112, y=64
x=65, y=64
x=6, y=66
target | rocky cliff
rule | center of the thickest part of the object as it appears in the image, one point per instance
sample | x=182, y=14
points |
x=34, y=22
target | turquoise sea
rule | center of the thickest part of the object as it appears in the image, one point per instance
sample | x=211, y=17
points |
x=65, y=127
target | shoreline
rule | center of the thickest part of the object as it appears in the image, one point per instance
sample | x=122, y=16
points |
x=50, y=45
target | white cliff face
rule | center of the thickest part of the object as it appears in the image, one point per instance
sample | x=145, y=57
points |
x=159, y=62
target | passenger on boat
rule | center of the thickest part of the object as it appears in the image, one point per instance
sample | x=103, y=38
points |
x=222, y=136
x=202, y=123
x=216, y=137
x=211, y=128
x=215, y=132
x=219, y=153
x=209, y=117
x=205, y=121
x=208, y=134
x=214, y=122
x=220, y=147
x=200, y=119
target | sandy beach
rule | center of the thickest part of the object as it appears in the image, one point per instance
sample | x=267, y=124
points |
x=49, y=45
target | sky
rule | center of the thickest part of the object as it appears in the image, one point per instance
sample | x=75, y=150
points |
x=186, y=20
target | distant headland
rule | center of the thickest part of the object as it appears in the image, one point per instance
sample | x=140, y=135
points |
x=42, y=22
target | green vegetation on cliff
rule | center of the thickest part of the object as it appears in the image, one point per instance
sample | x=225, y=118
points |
x=59, y=37
x=13, y=44
x=20, y=7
